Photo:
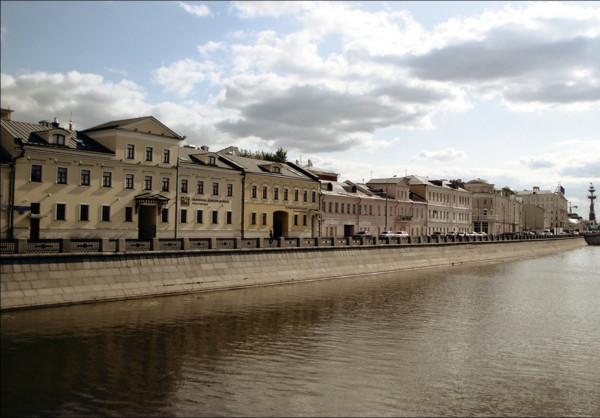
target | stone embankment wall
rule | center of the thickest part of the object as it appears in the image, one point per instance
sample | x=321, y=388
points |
x=30, y=281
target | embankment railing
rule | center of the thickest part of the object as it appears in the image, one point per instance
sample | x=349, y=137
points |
x=123, y=245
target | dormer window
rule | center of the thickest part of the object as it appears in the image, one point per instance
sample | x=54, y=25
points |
x=58, y=139
x=212, y=160
x=276, y=169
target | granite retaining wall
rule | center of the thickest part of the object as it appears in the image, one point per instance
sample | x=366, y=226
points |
x=30, y=281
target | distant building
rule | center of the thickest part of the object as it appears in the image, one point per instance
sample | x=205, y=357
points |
x=495, y=211
x=448, y=205
x=553, y=203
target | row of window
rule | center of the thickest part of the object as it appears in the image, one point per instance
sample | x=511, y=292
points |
x=130, y=154
x=105, y=214
x=350, y=209
x=265, y=191
x=254, y=217
x=85, y=180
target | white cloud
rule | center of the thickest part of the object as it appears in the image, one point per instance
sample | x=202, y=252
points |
x=90, y=97
x=200, y=10
x=210, y=47
x=182, y=76
x=448, y=154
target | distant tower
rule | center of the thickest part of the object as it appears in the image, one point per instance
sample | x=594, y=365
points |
x=592, y=198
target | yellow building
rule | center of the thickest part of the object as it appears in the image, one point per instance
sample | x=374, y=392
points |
x=210, y=195
x=278, y=197
x=109, y=181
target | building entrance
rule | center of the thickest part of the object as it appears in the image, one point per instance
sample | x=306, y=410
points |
x=147, y=217
x=280, y=224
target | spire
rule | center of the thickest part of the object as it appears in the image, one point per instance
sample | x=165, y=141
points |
x=71, y=122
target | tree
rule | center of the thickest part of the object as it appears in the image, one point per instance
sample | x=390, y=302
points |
x=280, y=156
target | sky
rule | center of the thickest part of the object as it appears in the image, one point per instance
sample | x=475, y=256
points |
x=508, y=92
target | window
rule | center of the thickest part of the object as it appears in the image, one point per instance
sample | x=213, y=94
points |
x=253, y=218
x=212, y=160
x=166, y=156
x=264, y=218
x=183, y=216
x=253, y=192
x=128, y=214
x=276, y=170
x=129, y=181
x=147, y=182
x=85, y=177
x=215, y=217
x=285, y=194
x=58, y=139
x=61, y=211
x=229, y=217
x=84, y=212
x=36, y=173
x=304, y=220
x=276, y=193
x=200, y=187
x=130, y=151
x=485, y=212
x=164, y=216
x=305, y=196
x=61, y=175
x=296, y=220
x=106, y=179
x=184, y=186
x=106, y=213
x=199, y=216
x=296, y=195
x=314, y=196
x=216, y=189
x=230, y=190
x=264, y=193
x=148, y=153
x=165, y=184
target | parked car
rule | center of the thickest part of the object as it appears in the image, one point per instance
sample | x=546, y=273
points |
x=387, y=234
x=365, y=234
x=402, y=234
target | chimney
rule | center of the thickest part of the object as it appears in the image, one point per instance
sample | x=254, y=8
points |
x=5, y=114
x=55, y=123
x=204, y=147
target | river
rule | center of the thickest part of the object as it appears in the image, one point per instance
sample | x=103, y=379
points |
x=519, y=338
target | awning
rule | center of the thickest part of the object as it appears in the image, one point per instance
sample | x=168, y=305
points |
x=149, y=199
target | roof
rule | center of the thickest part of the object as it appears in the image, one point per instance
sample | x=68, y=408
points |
x=391, y=180
x=28, y=133
x=192, y=155
x=251, y=165
x=124, y=123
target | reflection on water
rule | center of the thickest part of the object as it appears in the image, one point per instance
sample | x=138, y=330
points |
x=519, y=338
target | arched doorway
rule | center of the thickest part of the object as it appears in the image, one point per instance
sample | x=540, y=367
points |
x=280, y=224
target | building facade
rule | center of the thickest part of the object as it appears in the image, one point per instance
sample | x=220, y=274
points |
x=494, y=211
x=449, y=208
x=110, y=181
x=553, y=203
x=408, y=211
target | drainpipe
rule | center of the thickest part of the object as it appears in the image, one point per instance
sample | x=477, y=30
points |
x=11, y=190
x=176, y=197
x=242, y=224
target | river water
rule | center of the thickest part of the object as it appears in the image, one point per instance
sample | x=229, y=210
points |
x=519, y=338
